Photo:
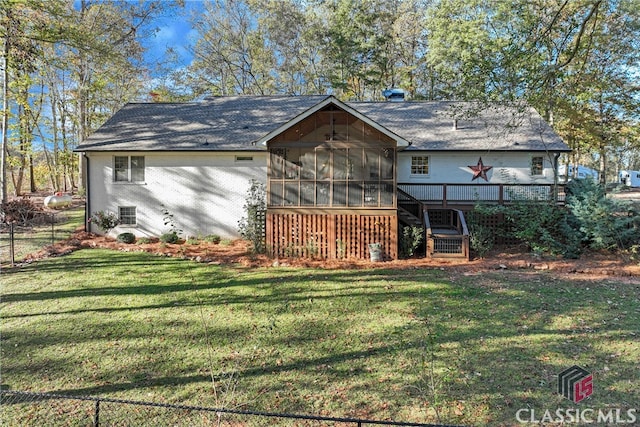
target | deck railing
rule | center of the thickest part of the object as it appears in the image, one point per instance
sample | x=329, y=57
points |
x=457, y=194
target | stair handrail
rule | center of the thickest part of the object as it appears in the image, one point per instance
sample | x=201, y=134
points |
x=465, y=233
x=423, y=215
x=426, y=222
x=408, y=196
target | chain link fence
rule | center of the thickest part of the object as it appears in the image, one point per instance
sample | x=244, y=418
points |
x=43, y=409
x=20, y=239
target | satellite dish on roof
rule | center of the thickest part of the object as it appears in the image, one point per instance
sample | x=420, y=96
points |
x=393, y=95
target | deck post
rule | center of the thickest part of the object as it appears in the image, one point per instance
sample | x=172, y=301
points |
x=444, y=195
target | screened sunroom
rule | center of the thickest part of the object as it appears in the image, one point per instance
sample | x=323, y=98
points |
x=334, y=169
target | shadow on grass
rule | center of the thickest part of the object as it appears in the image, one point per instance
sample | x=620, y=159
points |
x=496, y=342
x=146, y=268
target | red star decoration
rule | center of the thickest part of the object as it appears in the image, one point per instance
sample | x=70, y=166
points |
x=480, y=170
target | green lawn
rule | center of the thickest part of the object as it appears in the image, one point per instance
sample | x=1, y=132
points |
x=421, y=345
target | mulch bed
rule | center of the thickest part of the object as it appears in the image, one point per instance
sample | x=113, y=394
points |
x=591, y=266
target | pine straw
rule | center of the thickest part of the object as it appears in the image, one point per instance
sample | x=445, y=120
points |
x=512, y=259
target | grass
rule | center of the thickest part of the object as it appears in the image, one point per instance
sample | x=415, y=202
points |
x=423, y=345
x=30, y=240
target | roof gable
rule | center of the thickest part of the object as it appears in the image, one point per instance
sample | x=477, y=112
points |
x=329, y=101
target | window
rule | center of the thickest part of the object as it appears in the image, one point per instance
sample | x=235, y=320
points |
x=420, y=165
x=244, y=158
x=128, y=168
x=127, y=215
x=537, y=165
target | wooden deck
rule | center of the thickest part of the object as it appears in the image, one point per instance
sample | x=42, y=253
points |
x=467, y=195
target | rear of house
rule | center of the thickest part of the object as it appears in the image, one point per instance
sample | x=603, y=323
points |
x=336, y=173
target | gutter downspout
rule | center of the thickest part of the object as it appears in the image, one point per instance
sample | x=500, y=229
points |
x=87, y=199
x=556, y=187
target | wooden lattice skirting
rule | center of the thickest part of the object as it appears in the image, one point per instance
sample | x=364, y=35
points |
x=331, y=236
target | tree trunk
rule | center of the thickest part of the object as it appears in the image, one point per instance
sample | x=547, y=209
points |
x=5, y=119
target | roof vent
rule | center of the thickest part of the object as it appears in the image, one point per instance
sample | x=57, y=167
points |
x=393, y=95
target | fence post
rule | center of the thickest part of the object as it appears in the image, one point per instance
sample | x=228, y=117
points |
x=12, y=244
x=53, y=220
x=96, y=418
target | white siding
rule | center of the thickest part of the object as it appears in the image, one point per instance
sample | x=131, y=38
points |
x=452, y=168
x=205, y=191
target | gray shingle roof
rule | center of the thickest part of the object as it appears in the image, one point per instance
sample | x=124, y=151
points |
x=235, y=123
x=430, y=126
x=224, y=123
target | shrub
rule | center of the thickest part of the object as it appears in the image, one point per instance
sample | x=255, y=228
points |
x=410, y=239
x=603, y=222
x=105, y=221
x=144, y=240
x=167, y=217
x=480, y=239
x=252, y=226
x=193, y=240
x=212, y=238
x=171, y=237
x=481, y=236
x=21, y=211
x=543, y=226
x=126, y=238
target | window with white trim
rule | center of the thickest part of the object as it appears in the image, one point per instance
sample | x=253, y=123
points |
x=128, y=168
x=537, y=165
x=419, y=165
x=127, y=215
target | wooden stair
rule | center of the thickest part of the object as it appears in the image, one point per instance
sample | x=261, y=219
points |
x=446, y=233
x=407, y=218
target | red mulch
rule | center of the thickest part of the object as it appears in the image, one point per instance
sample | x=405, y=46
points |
x=591, y=266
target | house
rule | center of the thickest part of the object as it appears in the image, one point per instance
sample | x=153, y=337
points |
x=577, y=172
x=339, y=175
x=629, y=178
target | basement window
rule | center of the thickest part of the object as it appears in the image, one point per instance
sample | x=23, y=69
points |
x=127, y=215
x=244, y=158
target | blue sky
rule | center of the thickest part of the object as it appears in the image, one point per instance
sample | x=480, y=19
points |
x=174, y=31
